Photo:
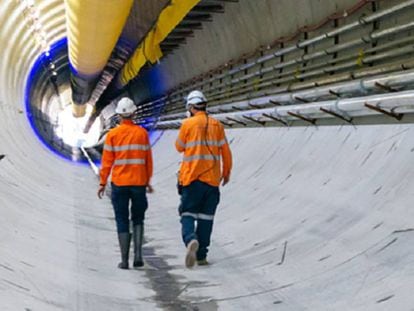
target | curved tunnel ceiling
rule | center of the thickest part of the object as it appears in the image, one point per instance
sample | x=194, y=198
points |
x=316, y=217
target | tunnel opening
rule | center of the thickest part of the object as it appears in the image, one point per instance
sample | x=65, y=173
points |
x=49, y=111
x=48, y=107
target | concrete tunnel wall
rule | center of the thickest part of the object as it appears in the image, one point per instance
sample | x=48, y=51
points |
x=315, y=218
x=254, y=24
x=300, y=227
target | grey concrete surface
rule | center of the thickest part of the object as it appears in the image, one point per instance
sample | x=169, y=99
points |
x=313, y=219
x=58, y=245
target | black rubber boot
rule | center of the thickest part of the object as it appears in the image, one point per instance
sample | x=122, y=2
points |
x=138, y=235
x=124, y=242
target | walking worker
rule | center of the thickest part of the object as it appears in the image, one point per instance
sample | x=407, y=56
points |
x=203, y=143
x=127, y=153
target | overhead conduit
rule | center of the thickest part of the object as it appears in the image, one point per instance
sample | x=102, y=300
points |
x=148, y=50
x=93, y=27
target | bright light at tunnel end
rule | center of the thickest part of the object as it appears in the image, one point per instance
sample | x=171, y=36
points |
x=70, y=129
x=65, y=124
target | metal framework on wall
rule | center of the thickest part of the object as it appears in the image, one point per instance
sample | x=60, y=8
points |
x=105, y=92
x=202, y=13
x=293, y=78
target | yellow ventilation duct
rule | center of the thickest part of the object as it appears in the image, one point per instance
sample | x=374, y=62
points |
x=94, y=27
x=149, y=49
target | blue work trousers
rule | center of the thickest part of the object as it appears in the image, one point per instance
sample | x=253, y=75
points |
x=121, y=198
x=198, y=205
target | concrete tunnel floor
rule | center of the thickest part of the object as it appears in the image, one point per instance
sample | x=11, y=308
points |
x=314, y=218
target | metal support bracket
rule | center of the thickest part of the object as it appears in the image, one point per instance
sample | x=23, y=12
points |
x=385, y=87
x=337, y=115
x=254, y=106
x=254, y=120
x=300, y=99
x=299, y=116
x=274, y=103
x=226, y=124
x=394, y=115
x=335, y=93
x=237, y=121
x=275, y=119
x=237, y=108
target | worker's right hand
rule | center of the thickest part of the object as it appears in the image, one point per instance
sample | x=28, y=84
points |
x=225, y=179
x=101, y=191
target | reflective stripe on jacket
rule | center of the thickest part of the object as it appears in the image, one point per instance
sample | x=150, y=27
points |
x=204, y=147
x=127, y=152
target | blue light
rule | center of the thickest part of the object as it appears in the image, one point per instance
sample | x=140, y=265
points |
x=56, y=49
x=153, y=82
x=156, y=81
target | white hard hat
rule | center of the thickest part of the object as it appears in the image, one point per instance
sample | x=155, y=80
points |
x=197, y=99
x=125, y=107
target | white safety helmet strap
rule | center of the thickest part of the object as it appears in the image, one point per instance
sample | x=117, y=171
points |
x=196, y=106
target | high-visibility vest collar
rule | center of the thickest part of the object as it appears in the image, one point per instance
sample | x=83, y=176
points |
x=127, y=122
x=200, y=113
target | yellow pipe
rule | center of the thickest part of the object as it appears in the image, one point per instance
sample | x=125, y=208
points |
x=150, y=50
x=94, y=27
x=78, y=111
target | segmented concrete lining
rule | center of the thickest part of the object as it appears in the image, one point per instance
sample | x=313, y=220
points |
x=314, y=218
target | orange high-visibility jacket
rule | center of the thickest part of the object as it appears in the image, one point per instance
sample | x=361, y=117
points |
x=127, y=152
x=204, y=147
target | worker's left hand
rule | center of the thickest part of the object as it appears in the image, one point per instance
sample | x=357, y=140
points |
x=101, y=191
x=150, y=189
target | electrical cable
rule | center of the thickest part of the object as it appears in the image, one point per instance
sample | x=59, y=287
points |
x=208, y=148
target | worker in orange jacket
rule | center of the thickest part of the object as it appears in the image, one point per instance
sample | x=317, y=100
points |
x=202, y=140
x=127, y=153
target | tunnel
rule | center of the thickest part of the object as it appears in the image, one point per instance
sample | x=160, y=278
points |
x=317, y=101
